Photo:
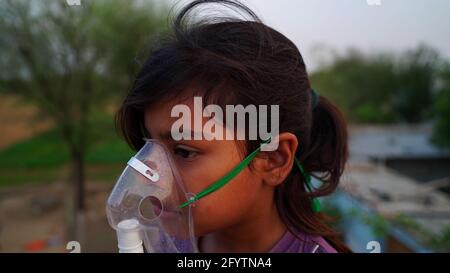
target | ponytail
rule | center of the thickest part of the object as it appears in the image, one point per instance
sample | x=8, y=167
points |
x=327, y=151
x=325, y=154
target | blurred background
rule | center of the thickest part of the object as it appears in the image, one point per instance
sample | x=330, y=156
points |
x=66, y=64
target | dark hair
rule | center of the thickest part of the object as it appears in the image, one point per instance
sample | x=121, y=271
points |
x=259, y=66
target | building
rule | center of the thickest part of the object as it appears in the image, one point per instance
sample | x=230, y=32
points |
x=387, y=195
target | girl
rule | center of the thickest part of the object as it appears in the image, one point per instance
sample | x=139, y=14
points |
x=268, y=206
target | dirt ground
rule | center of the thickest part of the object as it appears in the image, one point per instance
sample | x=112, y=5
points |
x=18, y=121
x=32, y=215
x=32, y=219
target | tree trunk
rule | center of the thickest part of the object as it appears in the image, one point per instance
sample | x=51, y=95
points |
x=75, y=199
x=78, y=162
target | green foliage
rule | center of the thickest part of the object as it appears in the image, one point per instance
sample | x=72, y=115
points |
x=437, y=241
x=47, y=150
x=441, y=132
x=442, y=240
x=72, y=61
x=378, y=224
x=411, y=88
x=381, y=88
x=43, y=157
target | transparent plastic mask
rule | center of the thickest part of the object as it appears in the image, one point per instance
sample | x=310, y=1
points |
x=150, y=191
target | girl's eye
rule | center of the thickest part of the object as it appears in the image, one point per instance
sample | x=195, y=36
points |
x=185, y=153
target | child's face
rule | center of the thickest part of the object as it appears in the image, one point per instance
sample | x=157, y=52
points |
x=202, y=162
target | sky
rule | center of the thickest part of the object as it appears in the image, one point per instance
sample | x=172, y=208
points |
x=320, y=26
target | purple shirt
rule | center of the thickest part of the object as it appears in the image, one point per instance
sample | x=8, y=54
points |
x=303, y=244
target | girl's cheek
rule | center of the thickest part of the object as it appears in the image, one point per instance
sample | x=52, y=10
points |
x=202, y=215
x=199, y=174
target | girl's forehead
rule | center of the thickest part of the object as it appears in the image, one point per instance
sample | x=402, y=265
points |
x=162, y=111
x=159, y=118
x=164, y=106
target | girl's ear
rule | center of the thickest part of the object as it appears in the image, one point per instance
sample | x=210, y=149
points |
x=274, y=166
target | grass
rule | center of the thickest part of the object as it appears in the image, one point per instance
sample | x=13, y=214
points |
x=45, y=157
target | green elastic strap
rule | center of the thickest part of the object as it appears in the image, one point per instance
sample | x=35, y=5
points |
x=316, y=207
x=236, y=170
x=226, y=178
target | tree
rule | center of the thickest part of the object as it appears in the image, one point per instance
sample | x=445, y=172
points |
x=71, y=61
x=360, y=85
x=417, y=74
x=441, y=128
x=382, y=88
